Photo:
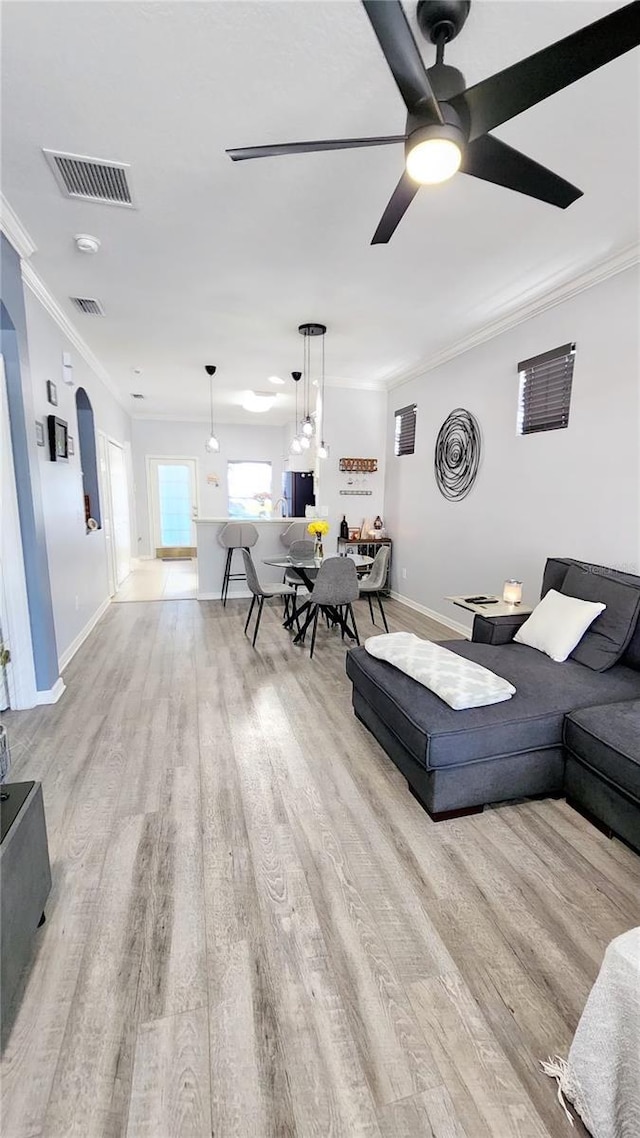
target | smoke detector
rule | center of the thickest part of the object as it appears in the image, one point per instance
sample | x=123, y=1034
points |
x=85, y=243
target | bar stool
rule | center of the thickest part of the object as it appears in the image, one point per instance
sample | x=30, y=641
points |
x=235, y=535
x=297, y=531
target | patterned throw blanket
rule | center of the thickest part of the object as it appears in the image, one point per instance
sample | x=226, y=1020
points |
x=457, y=681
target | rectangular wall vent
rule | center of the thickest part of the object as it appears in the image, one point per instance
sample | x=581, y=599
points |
x=88, y=305
x=92, y=179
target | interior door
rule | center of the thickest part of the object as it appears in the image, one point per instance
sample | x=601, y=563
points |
x=119, y=510
x=105, y=506
x=173, y=493
x=18, y=684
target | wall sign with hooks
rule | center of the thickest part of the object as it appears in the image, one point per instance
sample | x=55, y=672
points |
x=358, y=465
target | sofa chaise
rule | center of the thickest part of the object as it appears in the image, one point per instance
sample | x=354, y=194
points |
x=568, y=730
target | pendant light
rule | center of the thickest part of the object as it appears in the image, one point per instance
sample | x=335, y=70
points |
x=309, y=330
x=212, y=445
x=296, y=447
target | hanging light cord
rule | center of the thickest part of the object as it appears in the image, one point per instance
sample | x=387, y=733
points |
x=211, y=400
x=322, y=397
x=307, y=365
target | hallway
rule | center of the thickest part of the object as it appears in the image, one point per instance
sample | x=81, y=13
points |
x=156, y=580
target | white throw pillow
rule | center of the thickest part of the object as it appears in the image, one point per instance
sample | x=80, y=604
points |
x=558, y=624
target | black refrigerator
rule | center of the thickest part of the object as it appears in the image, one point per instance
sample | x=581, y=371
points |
x=297, y=491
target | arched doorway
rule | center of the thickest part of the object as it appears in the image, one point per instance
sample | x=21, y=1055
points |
x=88, y=460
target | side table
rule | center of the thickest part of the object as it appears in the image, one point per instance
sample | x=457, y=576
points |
x=25, y=882
x=493, y=623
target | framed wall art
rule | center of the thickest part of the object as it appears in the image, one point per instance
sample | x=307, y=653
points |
x=52, y=393
x=58, y=439
x=70, y=446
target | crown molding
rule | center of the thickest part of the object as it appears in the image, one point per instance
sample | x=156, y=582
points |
x=50, y=304
x=529, y=303
x=15, y=231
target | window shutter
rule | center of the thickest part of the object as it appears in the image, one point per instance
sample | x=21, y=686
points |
x=545, y=390
x=405, y=434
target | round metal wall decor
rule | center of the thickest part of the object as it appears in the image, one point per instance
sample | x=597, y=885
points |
x=457, y=456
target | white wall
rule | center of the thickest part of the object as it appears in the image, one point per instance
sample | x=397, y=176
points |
x=77, y=560
x=354, y=427
x=572, y=492
x=153, y=437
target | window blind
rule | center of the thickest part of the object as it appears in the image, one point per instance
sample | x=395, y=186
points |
x=545, y=390
x=405, y=432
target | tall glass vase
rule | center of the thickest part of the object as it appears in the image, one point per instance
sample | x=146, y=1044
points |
x=318, y=550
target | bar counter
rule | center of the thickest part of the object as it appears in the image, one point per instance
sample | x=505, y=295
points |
x=212, y=555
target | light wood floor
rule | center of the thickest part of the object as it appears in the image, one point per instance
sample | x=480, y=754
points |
x=254, y=929
x=156, y=580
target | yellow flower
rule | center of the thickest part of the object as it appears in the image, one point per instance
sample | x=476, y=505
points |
x=318, y=528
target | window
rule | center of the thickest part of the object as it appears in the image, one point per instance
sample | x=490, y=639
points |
x=545, y=390
x=249, y=489
x=87, y=448
x=405, y=434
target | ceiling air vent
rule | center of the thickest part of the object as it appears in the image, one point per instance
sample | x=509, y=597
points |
x=137, y=395
x=92, y=179
x=88, y=305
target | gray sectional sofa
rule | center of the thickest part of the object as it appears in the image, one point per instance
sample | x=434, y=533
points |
x=570, y=729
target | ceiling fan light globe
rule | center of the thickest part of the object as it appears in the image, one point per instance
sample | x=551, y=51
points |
x=433, y=160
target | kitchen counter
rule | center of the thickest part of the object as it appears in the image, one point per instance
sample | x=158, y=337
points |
x=212, y=555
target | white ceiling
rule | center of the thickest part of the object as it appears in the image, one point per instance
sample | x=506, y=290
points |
x=220, y=261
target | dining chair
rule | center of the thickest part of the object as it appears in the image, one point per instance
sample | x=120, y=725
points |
x=262, y=593
x=375, y=581
x=235, y=535
x=334, y=590
x=299, y=551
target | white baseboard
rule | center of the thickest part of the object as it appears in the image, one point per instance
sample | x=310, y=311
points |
x=51, y=695
x=69, y=653
x=446, y=620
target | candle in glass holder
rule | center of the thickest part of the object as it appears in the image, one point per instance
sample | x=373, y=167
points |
x=512, y=592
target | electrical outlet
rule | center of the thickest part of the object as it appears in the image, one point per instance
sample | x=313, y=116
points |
x=404, y=574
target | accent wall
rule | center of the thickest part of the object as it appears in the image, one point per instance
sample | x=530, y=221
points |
x=573, y=492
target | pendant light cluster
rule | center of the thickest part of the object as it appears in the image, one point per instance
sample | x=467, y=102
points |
x=212, y=445
x=305, y=427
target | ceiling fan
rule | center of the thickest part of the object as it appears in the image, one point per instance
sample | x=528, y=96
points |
x=447, y=125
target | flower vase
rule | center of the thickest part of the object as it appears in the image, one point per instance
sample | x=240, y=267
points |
x=318, y=551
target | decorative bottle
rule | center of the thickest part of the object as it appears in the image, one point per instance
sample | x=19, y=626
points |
x=344, y=528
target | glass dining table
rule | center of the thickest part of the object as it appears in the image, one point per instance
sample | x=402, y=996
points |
x=307, y=570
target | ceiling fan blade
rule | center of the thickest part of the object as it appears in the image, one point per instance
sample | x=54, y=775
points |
x=245, y=152
x=503, y=96
x=494, y=161
x=401, y=53
x=399, y=203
